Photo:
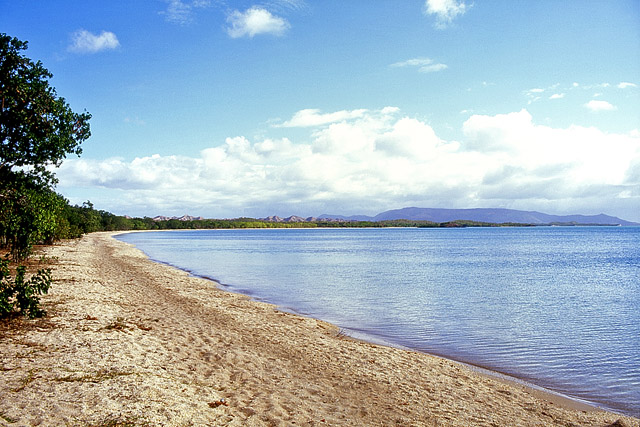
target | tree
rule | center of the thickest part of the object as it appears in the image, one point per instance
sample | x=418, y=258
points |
x=37, y=128
x=28, y=216
x=37, y=131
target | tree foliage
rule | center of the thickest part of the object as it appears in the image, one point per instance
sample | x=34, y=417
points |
x=37, y=128
x=27, y=216
x=37, y=131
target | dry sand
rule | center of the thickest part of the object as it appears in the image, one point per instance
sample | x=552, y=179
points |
x=131, y=342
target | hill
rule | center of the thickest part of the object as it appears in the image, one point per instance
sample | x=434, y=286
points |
x=484, y=215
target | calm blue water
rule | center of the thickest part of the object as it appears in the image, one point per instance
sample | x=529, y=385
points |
x=556, y=306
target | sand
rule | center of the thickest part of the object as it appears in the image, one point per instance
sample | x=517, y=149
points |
x=131, y=342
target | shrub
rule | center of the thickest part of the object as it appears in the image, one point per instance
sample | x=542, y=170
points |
x=23, y=295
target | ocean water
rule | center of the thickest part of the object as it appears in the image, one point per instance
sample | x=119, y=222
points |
x=558, y=307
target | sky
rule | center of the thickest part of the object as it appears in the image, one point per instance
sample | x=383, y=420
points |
x=298, y=107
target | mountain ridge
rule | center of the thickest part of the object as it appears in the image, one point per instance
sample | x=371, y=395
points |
x=492, y=215
x=179, y=218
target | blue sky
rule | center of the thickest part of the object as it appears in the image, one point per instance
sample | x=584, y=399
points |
x=232, y=108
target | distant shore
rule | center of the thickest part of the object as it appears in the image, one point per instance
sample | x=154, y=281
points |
x=135, y=342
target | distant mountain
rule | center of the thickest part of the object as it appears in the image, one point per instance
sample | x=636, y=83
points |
x=294, y=218
x=326, y=217
x=484, y=215
x=291, y=218
x=179, y=218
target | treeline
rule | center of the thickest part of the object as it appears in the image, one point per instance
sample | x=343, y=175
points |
x=77, y=220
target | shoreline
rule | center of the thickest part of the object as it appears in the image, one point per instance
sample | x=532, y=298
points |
x=134, y=341
x=557, y=397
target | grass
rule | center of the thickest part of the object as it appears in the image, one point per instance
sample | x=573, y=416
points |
x=26, y=381
x=117, y=325
x=101, y=375
x=341, y=334
x=120, y=422
x=7, y=418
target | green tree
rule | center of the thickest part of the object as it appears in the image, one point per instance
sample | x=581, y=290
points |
x=37, y=131
x=37, y=128
x=29, y=216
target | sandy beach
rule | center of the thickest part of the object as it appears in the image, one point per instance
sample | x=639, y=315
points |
x=131, y=342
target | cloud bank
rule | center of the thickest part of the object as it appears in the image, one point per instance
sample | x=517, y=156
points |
x=83, y=41
x=367, y=161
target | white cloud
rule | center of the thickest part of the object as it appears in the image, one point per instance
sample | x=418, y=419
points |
x=444, y=10
x=534, y=94
x=432, y=68
x=178, y=12
x=312, y=117
x=409, y=138
x=82, y=41
x=416, y=62
x=287, y=5
x=595, y=105
x=181, y=12
x=363, y=161
x=557, y=96
x=581, y=156
x=425, y=65
x=135, y=121
x=255, y=21
x=625, y=85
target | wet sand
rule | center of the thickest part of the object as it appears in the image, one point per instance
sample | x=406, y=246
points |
x=131, y=342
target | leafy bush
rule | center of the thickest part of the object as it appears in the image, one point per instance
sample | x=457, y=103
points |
x=23, y=295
